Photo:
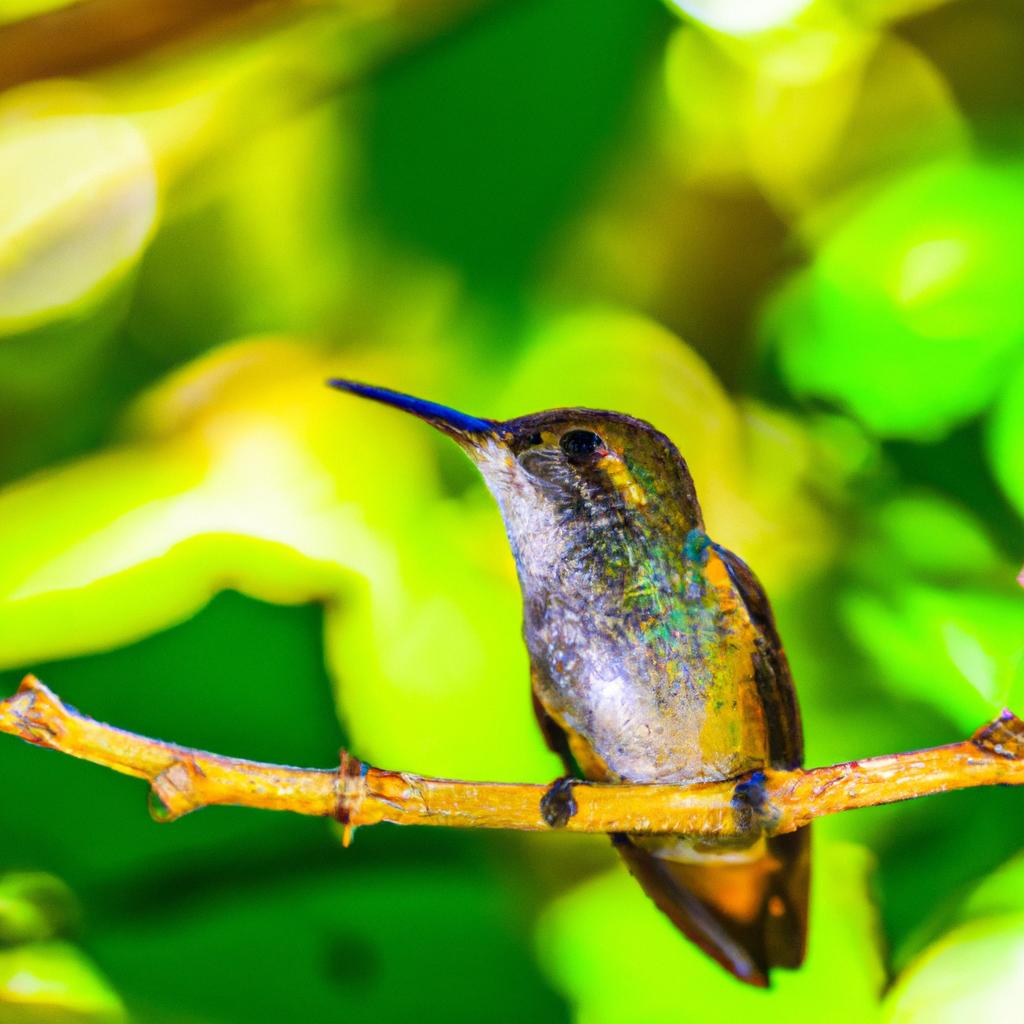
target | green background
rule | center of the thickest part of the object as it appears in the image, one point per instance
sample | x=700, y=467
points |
x=786, y=233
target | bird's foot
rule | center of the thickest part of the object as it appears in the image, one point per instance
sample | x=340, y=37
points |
x=558, y=805
x=751, y=804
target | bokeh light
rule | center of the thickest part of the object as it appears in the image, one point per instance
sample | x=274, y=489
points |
x=740, y=17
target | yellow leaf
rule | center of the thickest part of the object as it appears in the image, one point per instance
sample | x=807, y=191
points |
x=78, y=201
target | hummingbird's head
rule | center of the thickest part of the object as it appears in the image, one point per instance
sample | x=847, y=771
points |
x=570, y=480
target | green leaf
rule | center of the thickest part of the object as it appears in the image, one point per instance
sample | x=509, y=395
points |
x=1006, y=427
x=957, y=649
x=1002, y=892
x=931, y=601
x=234, y=475
x=934, y=537
x=976, y=972
x=34, y=906
x=909, y=315
x=55, y=983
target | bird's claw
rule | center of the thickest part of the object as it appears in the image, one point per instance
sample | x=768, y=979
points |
x=751, y=804
x=558, y=805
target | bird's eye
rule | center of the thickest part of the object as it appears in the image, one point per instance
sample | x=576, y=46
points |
x=534, y=439
x=578, y=444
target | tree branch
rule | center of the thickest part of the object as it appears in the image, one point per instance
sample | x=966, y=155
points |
x=771, y=802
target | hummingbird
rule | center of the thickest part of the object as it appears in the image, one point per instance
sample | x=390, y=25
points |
x=654, y=657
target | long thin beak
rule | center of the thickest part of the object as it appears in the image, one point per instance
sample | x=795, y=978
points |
x=468, y=431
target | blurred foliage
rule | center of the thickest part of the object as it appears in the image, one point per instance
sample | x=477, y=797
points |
x=974, y=969
x=927, y=308
x=576, y=933
x=42, y=977
x=784, y=232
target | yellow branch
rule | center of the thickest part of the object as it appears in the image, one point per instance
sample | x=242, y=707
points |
x=183, y=780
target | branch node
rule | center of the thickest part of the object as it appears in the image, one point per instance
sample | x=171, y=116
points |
x=351, y=791
x=36, y=713
x=1004, y=736
x=172, y=793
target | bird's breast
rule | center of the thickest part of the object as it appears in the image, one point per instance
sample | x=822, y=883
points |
x=657, y=690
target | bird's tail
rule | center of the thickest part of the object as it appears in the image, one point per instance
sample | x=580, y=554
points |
x=749, y=916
